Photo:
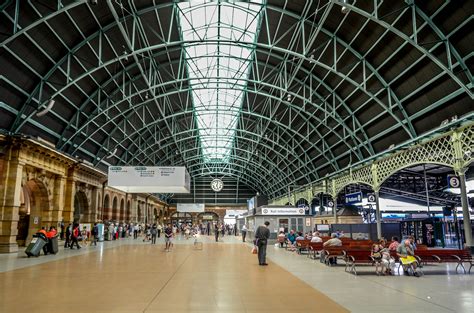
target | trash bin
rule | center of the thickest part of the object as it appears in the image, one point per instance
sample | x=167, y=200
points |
x=53, y=245
x=36, y=244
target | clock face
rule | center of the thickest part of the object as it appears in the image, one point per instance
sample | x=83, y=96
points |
x=217, y=185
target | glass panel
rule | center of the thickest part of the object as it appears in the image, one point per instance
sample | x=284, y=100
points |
x=218, y=67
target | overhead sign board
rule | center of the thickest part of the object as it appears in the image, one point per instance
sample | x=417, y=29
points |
x=353, y=198
x=234, y=213
x=190, y=207
x=152, y=179
x=282, y=211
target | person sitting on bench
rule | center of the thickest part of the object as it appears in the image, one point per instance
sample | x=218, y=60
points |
x=407, y=257
x=333, y=242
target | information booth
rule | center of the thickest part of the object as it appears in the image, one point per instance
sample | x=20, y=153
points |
x=286, y=217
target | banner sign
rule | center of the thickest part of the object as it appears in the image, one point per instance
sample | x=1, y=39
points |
x=151, y=179
x=355, y=197
x=282, y=211
x=190, y=207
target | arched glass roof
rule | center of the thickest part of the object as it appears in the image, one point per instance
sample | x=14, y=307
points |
x=218, y=67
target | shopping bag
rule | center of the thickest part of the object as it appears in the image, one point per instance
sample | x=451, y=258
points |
x=254, y=250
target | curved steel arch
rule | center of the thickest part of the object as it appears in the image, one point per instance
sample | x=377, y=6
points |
x=254, y=46
x=275, y=8
x=420, y=48
x=252, y=113
x=128, y=98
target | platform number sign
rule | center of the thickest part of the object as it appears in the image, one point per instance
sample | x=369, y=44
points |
x=330, y=204
x=453, y=181
x=371, y=198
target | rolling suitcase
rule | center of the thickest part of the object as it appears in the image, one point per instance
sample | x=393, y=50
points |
x=35, y=246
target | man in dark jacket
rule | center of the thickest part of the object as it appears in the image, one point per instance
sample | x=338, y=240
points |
x=261, y=238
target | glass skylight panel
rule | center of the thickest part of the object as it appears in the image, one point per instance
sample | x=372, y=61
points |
x=218, y=63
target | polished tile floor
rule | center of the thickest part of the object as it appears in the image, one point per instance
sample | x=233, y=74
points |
x=131, y=276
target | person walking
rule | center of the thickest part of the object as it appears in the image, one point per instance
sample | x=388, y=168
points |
x=244, y=232
x=68, y=236
x=154, y=232
x=76, y=233
x=168, y=237
x=261, y=237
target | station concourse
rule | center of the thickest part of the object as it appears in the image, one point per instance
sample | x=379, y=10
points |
x=236, y=156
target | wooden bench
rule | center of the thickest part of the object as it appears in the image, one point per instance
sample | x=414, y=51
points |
x=314, y=248
x=333, y=253
x=358, y=257
x=447, y=256
x=302, y=245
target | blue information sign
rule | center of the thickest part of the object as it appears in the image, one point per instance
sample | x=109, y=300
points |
x=355, y=197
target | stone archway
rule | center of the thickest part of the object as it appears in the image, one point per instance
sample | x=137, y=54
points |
x=33, y=210
x=114, y=209
x=122, y=210
x=106, y=208
x=81, y=206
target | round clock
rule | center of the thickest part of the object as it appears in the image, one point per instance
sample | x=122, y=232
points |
x=217, y=185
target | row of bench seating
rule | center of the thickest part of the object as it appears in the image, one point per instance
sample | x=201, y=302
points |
x=358, y=252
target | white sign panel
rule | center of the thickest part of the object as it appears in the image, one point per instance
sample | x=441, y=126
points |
x=190, y=207
x=283, y=211
x=234, y=213
x=151, y=179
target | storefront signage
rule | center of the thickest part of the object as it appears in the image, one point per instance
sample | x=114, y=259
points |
x=355, y=197
x=151, y=179
x=283, y=211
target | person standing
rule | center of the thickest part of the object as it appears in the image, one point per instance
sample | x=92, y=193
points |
x=261, y=238
x=216, y=232
x=244, y=232
x=135, y=231
x=168, y=237
x=154, y=232
x=159, y=229
x=95, y=234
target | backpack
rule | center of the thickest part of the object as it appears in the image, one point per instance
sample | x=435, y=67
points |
x=76, y=232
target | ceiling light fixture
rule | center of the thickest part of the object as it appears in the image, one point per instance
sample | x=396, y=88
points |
x=345, y=8
x=47, y=109
x=112, y=154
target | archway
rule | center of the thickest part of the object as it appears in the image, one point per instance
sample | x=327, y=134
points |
x=81, y=206
x=419, y=199
x=181, y=217
x=34, y=205
x=106, y=208
x=122, y=210
x=114, y=208
x=204, y=217
x=128, y=214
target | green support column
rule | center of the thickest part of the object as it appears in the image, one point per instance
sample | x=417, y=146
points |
x=378, y=218
x=465, y=210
